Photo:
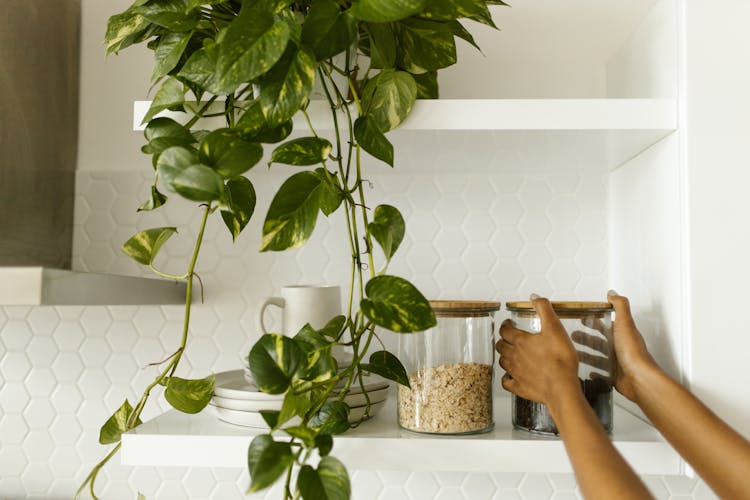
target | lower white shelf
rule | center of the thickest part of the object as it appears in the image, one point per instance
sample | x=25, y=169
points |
x=201, y=440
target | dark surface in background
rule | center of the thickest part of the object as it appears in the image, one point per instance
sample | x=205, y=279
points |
x=39, y=62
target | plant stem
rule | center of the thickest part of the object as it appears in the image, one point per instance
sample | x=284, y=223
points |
x=171, y=366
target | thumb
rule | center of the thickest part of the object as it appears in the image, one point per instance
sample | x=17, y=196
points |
x=621, y=306
x=544, y=310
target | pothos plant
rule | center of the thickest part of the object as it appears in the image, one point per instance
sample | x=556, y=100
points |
x=255, y=63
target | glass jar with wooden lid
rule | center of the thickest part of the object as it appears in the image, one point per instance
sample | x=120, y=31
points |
x=450, y=370
x=589, y=324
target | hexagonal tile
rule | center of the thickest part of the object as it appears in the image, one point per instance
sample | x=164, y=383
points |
x=150, y=320
x=100, y=194
x=478, y=486
x=680, y=485
x=121, y=368
x=148, y=481
x=15, y=366
x=703, y=492
x=656, y=486
x=563, y=211
x=423, y=195
x=39, y=413
x=479, y=258
x=16, y=335
x=148, y=350
x=535, y=194
x=100, y=256
x=13, y=460
x=95, y=320
x=67, y=366
x=40, y=382
x=95, y=352
x=43, y=320
x=366, y=485
x=66, y=398
x=422, y=226
x=451, y=479
x=13, y=428
x=38, y=446
x=68, y=335
x=451, y=276
x=65, y=461
x=480, y=286
x=450, y=243
x=18, y=312
x=14, y=397
x=562, y=243
x=421, y=485
x=199, y=482
x=479, y=226
x=99, y=226
x=507, y=275
x=535, y=487
x=423, y=258
x=535, y=227
x=535, y=258
x=507, y=241
x=450, y=493
x=507, y=210
x=592, y=260
x=65, y=430
x=563, y=274
x=566, y=495
x=122, y=336
x=450, y=211
x=202, y=352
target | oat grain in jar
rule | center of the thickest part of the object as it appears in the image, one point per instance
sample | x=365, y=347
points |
x=589, y=324
x=450, y=370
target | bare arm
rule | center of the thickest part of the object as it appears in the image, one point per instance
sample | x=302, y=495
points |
x=718, y=454
x=544, y=367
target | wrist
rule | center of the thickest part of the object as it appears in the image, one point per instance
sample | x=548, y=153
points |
x=643, y=377
x=563, y=394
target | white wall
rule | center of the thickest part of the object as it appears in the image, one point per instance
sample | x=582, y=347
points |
x=718, y=157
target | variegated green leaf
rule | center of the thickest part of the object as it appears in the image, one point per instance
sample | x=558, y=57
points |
x=189, y=396
x=425, y=45
x=302, y=151
x=117, y=424
x=388, y=98
x=171, y=95
x=286, y=87
x=388, y=229
x=328, y=30
x=168, y=53
x=144, y=246
x=228, y=153
x=382, y=45
x=154, y=201
x=124, y=29
x=395, y=304
x=372, y=140
x=170, y=14
x=240, y=206
x=385, y=11
x=198, y=183
x=250, y=47
x=332, y=418
x=387, y=365
x=172, y=161
x=294, y=210
x=274, y=361
x=267, y=460
x=200, y=69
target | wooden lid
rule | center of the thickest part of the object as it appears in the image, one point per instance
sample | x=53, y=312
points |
x=564, y=309
x=463, y=308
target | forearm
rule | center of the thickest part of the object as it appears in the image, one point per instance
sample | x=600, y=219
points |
x=600, y=470
x=718, y=454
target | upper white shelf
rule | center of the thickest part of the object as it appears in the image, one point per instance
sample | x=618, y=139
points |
x=597, y=132
x=178, y=439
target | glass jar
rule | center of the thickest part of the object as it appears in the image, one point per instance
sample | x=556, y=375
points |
x=450, y=370
x=589, y=324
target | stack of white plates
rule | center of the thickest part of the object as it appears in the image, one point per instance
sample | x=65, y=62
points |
x=238, y=401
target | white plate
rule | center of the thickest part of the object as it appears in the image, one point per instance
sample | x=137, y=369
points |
x=255, y=420
x=352, y=399
x=232, y=385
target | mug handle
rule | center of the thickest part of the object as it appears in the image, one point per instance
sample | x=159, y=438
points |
x=270, y=301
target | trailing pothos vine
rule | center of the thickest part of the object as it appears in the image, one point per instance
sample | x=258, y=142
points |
x=255, y=64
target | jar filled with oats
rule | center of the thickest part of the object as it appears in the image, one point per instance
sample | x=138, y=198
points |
x=450, y=370
x=589, y=325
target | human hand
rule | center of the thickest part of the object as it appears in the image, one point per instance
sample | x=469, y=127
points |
x=538, y=366
x=630, y=354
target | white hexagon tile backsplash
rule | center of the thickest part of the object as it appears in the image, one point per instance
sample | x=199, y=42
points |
x=66, y=369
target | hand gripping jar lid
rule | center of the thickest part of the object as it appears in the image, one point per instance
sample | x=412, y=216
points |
x=449, y=368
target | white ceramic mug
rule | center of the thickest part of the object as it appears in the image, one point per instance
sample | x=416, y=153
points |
x=302, y=304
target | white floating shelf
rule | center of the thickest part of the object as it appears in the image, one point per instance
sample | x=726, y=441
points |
x=45, y=286
x=178, y=439
x=586, y=132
